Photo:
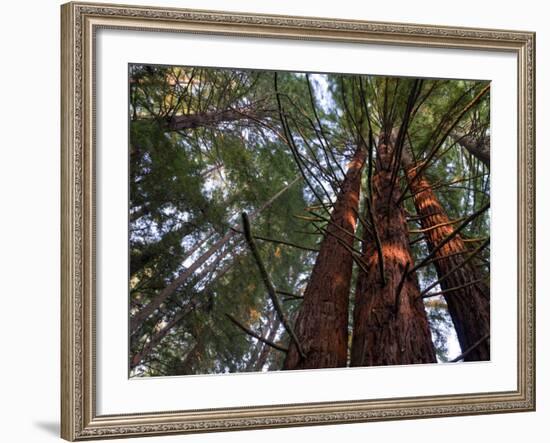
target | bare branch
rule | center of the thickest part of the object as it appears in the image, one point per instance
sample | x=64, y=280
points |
x=452, y=235
x=456, y=268
x=431, y=155
x=446, y=291
x=281, y=242
x=254, y=334
x=269, y=286
x=439, y=225
x=290, y=294
x=470, y=349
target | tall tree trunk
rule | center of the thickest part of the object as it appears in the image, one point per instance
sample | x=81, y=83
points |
x=322, y=323
x=187, y=366
x=469, y=304
x=390, y=325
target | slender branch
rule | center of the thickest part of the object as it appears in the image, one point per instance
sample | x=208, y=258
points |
x=254, y=334
x=442, y=185
x=417, y=240
x=349, y=114
x=474, y=240
x=268, y=284
x=456, y=268
x=304, y=161
x=456, y=288
x=443, y=257
x=282, y=242
x=355, y=255
x=363, y=222
x=310, y=219
x=450, y=237
x=435, y=85
x=416, y=218
x=340, y=240
x=439, y=225
x=314, y=108
x=315, y=207
x=289, y=139
x=403, y=128
x=431, y=155
x=470, y=349
x=191, y=121
x=336, y=225
x=289, y=294
x=370, y=214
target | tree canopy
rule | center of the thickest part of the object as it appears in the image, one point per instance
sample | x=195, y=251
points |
x=209, y=144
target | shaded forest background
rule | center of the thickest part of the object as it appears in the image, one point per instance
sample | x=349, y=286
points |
x=286, y=220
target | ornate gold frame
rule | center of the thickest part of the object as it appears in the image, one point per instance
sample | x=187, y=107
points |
x=79, y=420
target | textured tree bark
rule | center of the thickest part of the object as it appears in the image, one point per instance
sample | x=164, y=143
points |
x=390, y=325
x=322, y=323
x=469, y=306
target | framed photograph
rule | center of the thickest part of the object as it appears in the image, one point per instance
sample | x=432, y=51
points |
x=282, y=221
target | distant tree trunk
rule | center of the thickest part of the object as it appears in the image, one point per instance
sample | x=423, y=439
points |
x=390, y=326
x=322, y=323
x=187, y=366
x=263, y=350
x=479, y=147
x=160, y=331
x=145, y=312
x=469, y=305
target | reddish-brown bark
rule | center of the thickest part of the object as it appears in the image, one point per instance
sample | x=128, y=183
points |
x=322, y=323
x=469, y=306
x=390, y=325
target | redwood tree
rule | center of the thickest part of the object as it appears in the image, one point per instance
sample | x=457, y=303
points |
x=390, y=323
x=466, y=293
x=322, y=323
x=291, y=150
